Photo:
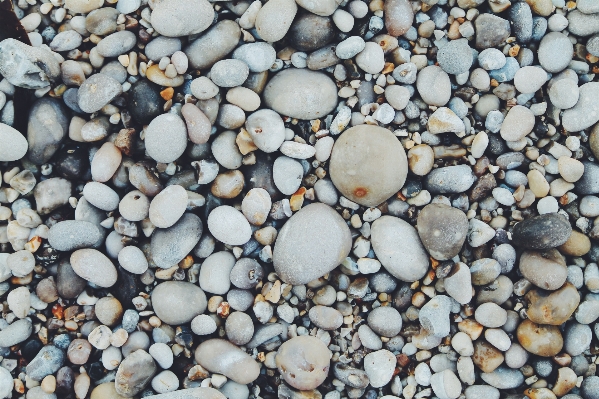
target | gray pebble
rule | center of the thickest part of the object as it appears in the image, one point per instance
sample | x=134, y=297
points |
x=259, y=56
x=116, y=44
x=456, y=57
x=69, y=235
x=229, y=73
x=97, y=91
x=170, y=246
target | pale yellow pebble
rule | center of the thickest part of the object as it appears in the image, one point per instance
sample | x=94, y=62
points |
x=49, y=384
x=538, y=184
x=570, y=169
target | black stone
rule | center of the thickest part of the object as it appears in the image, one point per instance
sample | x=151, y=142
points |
x=30, y=349
x=127, y=287
x=260, y=175
x=310, y=32
x=145, y=102
x=72, y=162
x=542, y=232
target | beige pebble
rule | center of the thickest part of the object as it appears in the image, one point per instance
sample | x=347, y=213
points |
x=538, y=184
x=570, y=169
x=49, y=384
x=421, y=159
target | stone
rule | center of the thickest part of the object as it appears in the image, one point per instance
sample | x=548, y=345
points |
x=69, y=235
x=181, y=308
x=542, y=232
x=310, y=32
x=303, y=362
x=385, y=321
x=398, y=16
x=398, y=247
x=433, y=85
x=169, y=246
x=221, y=356
x=144, y=101
x=564, y=93
x=518, y=123
x=14, y=144
x=93, y=266
x=26, y=66
x=368, y=171
x=555, y=52
x=491, y=31
x=585, y=113
x=256, y=205
x=116, y=44
x=446, y=385
x=47, y=361
x=105, y=163
x=259, y=56
x=449, y=180
x=545, y=269
x=379, y=367
x=46, y=129
x=97, y=91
x=229, y=73
x=213, y=45
x=529, y=79
x=134, y=373
x=541, y=340
x=168, y=206
x=171, y=18
x=229, y=226
x=313, y=242
x=291, y=92
x=444, y=120
x=15, y=333
x=554, y=308
x=371, y=59
x=166, y=138
x=455, y=57
x=275, y=18
x=581, y=24
x=267, y=130
x=442, y=230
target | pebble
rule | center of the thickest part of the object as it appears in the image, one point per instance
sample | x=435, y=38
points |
x=456, y=57
x=274, y=19
x=356, y=159
x=385, y=321
x=490, y=315
x=267, y=130
x=564, y=93
x=169, y=18
x=15, y=145
x=134, y=373
x=169, y=246
x=26, y=66
x=258, y=56
x=444, y=120
x=541, y=340
x=517, y=124
x=398, y=16
x=379, y=367
x=220, y=356
x=73, y=234
x=442, y=230
x=434, y=86
x=45, y=138
x=213, y=45
x=97, y=91
x=296, y=256
x=229, y=73
x=545, y=269
x=449, y=180
x=229, y=226
x=287, y=174
x=584, y=114
x=371, y=59
x=116, y=44
x=93, y=266
x=15, y=333
x=542, y=232
x=167, y=147
x=446, y=385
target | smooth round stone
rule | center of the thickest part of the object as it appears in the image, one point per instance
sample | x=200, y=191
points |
x=517, y=124
x=397, y=96
x=203, y=325
x=555, y=52
x=19, y=301
x=371, y=59
x=173, y=18
x=14, y=145
x=134, y=206
x=213, y=45
x=134, y=373
x=490, y=315
x=542, y=232
x=108, y=310
x=203, y=88
x=398, y=16
x=385, y=321
x=291, y=92
x=102, y=22
x=379, y=367
x=44, y=138
x=162, y=354
x=144, y=101
x=222, y=357
x=246, y=273
x=259, y=56
x=132, y=259
x=275, y=18
x=162, y=46
x=229, y=73
x=455, y=57
x=256, y=205
x=310, y=32
x=168, y=206
x=116, y=44
x=267, y=129
x=529, y=79
x=178, y=302
x=169, y=246
x=15, y=333
x=586, y=111
x=105, y=163
x=450, y=179
x=398, y=247
x=541, y=340
x=101, y=196
x=458, y=284
x=325, y=317
x=577, y=338
x=165, y=381
x=97, y=91
x=225, y=150
x=434, y=86
x=442, y=230
x=215, y=271
x=287, y=174
x=491, y=59
x=239, y=328
x=303, y=362
x=545, y=269
x=244, y=98
x=368, y=164
x=166, y=138
x=73, y=234
x=564, y=93
x=446, y=385
x=65, y=41
x=312, y=242
x=484, y=271
x=93, y=266
x=229, y=226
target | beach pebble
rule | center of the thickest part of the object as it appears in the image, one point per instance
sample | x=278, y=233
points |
x=97, y=91
x=93, y=266
x=379, y=367
x=229, y=226
x=172, y=19
x=166, y=138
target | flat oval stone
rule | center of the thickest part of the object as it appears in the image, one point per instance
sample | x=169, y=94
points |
x=545, y=269
x=116, y=44
x=214, y=45
x=221, y=356
x=368, y=164
x=586, y=111
x=312, y=242
x=168, y=206
x=15, y=333
x=301, y=93
x=541, y=340
x=97, y=91
x=169, y=246
x=310, y=32
x=174, y=18
x=259, y=56
x=198, y=124
x=166, y=138
x=144, y=101
x=442, y=230
x=267, y=129
x=518, y=122
x=188, y=393
x=555, y=52
x=434, y=85
x=554, y=308
x=303, y=362
x=93, y=266
x=134, y=373
x=398, y=16
x=47, y=127
x=178, y=302
x=323, y=8
x=450, y=179
x=14, y=145
x=398, y=248
x=275, y=18
x=542, y=232
x=229, y=226
x=73, y=234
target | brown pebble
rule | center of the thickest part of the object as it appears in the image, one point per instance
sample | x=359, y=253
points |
x=541, y=340
x=79, y=351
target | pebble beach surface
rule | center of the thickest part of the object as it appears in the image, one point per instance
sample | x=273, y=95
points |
x=300, y=199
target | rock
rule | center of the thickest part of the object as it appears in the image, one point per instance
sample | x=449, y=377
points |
x=68, y=283
x=116, y=44
x=546, y=269
x=371, y=59
x=189, y=393
x=564, y=93
x=385, y=321
x=449, y=180
x=47, y=361
x=398, y=247
x=102, y=22
x=275, y=18
x=455, y=57
x=239, y=328
x=446, y=385
x=442, y=230
x=379, y=367
x=303, y=362
x=398, y=17
x=581, y=24
x=19, y=301
x=291, y=93
x=541, y=340
x=555, y=52
x=434, y=316
x=94, y=266
x=73, y=234
x=26, y=66
x=215, y=271
x=169, y=246
x=105, y=163
x=433, y=85
x=168, y=206
x=166, y=138
x=134, y=373
x=542, y=232
x=46, y=129
x=368, y=171
x=310, y=32
x=229, y=226
x=491, y=31
x=221, y=356
x=173, y=19
x=97, y=91
x=258, y=56
x=491, y=58
x=553, y=308
x=267, y=130
x=101, y=196
x=225, y=150
x=256, y=206
x=518, y=123
x=313, y=242
x=144, y=101
x=229, y=73
x=503, y=378
x=15, y=333
x=585, y=113
x=168, y=306
x=14, y=144
x=529, y=79
x=458, y=284
x=213, y=45
x=198, y=124
x=444, y=120
x=577, y=338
